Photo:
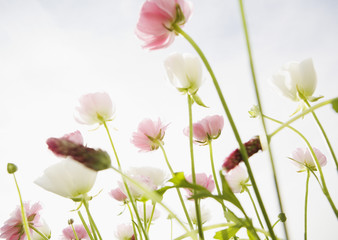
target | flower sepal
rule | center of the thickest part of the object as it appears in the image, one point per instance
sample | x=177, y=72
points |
x=198, y=100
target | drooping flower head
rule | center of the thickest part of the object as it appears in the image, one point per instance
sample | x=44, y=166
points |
x=203, y=180
x=13, y=228
x=157, y=20
x=95, y=108
x=124, y=232
x=297, y=80
x=236, y=179
x=303, y=159
x=68, y=233
x=149, y=135
x=184, y=72
x=118, y=194
x=207, y=129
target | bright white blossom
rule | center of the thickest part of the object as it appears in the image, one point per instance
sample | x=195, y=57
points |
x=184, y=72
x=124, y=232
x=44, y=229
x=95, y=108
x=205, y=214
x=67, y=178
x=237, y=178
x=303, y=159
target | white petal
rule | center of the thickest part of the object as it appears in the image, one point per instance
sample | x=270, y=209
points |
x=308, y=82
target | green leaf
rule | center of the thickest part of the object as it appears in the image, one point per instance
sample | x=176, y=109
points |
x=335, y=104
x=228, y=195
x=227, y=233
x=198, y=100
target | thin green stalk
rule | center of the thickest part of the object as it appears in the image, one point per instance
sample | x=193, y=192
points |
x=75, y=235
x=125, y=183
x=23, y=213
x=323, y=185
x=261, y=110
x=91, y=220
x=145, y=216
x=151, y=217
x=132, y=220
x=276, y=223
x=305, y=205
x=177, y=189
x=39, y=232
x=233, y=126
x=85, y=225
x=193, y=173
x=302, y=114
x=254, y=205
x=324, y=134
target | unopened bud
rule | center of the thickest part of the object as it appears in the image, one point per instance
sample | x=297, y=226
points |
x=282, y=217
x=70, y=221
x=11, y=168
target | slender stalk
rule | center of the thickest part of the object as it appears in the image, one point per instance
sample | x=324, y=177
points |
x=91, y=220
x=145, y=215
x=309, y=110
x=85, y=225
x=75, y=235
x=132, y=220
x=254, y=205
x=23, y=213
x=39, y=232
x=177, y=189
x=305, y=204
x=125, y=183
x=276, y=223
x=324, y=134
x=151, y=217
x=193, y=173
x=233, y=126
x=261, y=110
x=323, y=185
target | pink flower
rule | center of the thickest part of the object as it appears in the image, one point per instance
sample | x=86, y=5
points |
x=68, y=233
x=95, y=108
x=125, y=232
x=118, y=194
x=149, y=135
x=203, y=180
x=303, y=159
x=75, y=137
x=207, y=129
x=157, y=20
x=13, y=228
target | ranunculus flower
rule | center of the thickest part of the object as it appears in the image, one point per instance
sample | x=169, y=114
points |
x=297, y=78
x=207, y=129
x=13, y=228
x=203, y=180
x=149, y=135
x=118, y=194
x=303, y=159
x=68, y=178
x=124, y=232
x=95, y=108
x=236, y=178
x=184, y=72
x=68, y=233
x=157, y=19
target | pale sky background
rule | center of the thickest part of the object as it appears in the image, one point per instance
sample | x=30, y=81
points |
x=52, y=52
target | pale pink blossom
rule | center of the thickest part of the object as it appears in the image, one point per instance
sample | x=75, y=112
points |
x=75, y=137
x=125, y=232
x=95, y=108
x=68, y=233
x=203, y=180
x=237, y=178
x=149, y=135
x=13, y=228
x=157, y=19
x=207, y=129
x=118, y=194
x=303, y=159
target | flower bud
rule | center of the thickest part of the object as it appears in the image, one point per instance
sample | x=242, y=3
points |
x=11, y=168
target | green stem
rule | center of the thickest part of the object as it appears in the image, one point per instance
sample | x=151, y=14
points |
x=177, y=189
x=324, y=134
x=276, y=223
x=91, y=220
x=254, y=205
x=132, y=220
x=39, y=232
x=85, y=225
x=233, y=126
x=323, y=185
x=125, y=183
x=261, y=110
x=193, y=173
x=145, y=216
x=151, y=217
x=75, y=235
x=305, y=205
x=23, y=213
x=309, y=110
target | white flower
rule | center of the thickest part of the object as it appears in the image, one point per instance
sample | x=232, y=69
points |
x=68, y=178
x=124, y=232
x=44, y=229
x=150, y=211
x=95, y=108
x=236, y=178
x=294, y=77
x=184, y=72
x=205, y=214
x=303, y=159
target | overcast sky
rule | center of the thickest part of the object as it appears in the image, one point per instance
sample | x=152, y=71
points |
x=52, y=52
